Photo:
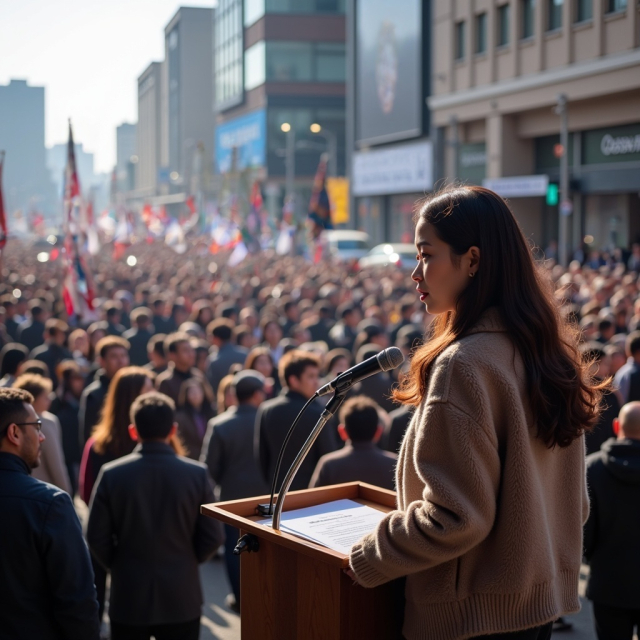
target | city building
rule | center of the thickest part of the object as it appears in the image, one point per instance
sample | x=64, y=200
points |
x=57, y=161
x=279, y=68
x=126, y=157
x=388, y=119
x=149, y=132
x=187, y=100
x=26, y=182
x=497, y=80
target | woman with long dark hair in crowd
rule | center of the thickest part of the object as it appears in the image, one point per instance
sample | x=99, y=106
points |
x=491, y=473
x=195, y=409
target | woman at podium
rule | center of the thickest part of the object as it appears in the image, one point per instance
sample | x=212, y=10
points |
x=491, y=473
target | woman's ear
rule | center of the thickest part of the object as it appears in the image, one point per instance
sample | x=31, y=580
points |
x=473, y=255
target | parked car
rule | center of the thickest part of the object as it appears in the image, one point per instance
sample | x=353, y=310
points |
x=402, y=254
x=347, y=244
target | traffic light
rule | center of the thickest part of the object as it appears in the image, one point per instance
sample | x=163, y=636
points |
x=552, y=194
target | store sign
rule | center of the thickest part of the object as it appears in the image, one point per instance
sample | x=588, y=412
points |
x=242, y=142
x=403, y=169
x=612, y=144
x=518, y=186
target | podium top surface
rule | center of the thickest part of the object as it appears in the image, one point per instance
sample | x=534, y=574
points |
x=243, y=515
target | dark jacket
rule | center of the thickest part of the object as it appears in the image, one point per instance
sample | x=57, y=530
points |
x=171, y=380
x=220, y=361
x=192, y=428
x=378, y=388
x=393, y=436
x=273, y=420
x=46, y=588
x=228, y=453
x=67, y=411
x=52, y=355
x=91, y=403
x=138, y=339
x=145, y=527
x=611, y=533
x=610, y=408
x=31, y=333
x=357, y=461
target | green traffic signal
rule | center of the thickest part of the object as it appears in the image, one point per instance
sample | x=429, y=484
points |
x=552, y=194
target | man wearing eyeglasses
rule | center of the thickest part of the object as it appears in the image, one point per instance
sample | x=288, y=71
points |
x=47, y=589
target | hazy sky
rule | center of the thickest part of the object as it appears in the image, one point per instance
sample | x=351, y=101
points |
x=88, y=54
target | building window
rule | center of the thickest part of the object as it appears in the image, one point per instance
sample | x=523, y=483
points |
x=228, y=54
x=481, y=33
x=528, y=18
x=253, y=11
x=460, y=40
x=289, y=61
x=330, y=62
x=555, y=14
x=584, y=10
x=254, y=66
x=503, y=25
x=613, y=6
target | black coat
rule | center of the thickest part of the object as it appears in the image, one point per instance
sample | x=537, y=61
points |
x=272, y=423
x=138, y=339
x=145, y=527
x=611, y=533
x=31, y=333
x=52, y=355
x=46, y=584
x=393, y=436
x=91, y=403
x=67, y=410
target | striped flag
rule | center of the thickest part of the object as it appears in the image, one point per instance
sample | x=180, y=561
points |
x=78, y=290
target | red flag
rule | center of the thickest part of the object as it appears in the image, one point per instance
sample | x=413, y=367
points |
x=191, y=204
x=3, y=219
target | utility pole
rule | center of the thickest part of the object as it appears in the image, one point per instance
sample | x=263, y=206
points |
x=565, y=207
x=290, y=160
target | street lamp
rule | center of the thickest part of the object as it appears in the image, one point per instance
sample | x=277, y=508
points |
x=290, y=159
x=332, y=144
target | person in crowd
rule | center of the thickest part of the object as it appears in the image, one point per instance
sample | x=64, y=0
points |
x=113, y=355
x=406, y=309
x=228, y=454
x=112, y=311
x=226, y=397
x=146, y=529
x=319, y=330
x=291, y=316
x=12, y=356
x=379, y=386
x=31, y=331
x=260, y=359
x=244, y=337
x=160, y=322
x=611, y=532
x=36, y=367
x=201, y=347
x=182, y=358
x=201, y=314
x=500, y=379
x=110, y=440
x=195, y=409
x=139, y=335
x=336, y=361
x=95, y=331
x=11, y=324
x=46, y=588
x=627, y=379
x=299, y=374
x=53, y=351
x=371, y=332
x=65, y=405
x=343, y=333
x=157, y=361
x=399, y=420
x=52, y=467
x=178, y=315
x=224, y=352
x=80, y=349
x=125, y=298
x=360, y=459
x=271, y=337
x=229, y=311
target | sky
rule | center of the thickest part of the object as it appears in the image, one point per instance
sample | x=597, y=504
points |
x=88, y=55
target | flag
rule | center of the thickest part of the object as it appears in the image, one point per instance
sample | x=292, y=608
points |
x=319, y=206
x=239, y=253
x=3, y=219
x=78, y=289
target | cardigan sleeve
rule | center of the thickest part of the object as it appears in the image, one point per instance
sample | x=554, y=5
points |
x=458, y=463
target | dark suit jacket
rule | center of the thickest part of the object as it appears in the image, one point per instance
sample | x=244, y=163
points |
x=228, y=453
x=52, y=355
x=378, y=388
x=219, y=362
x=272, y=423
x=400, y=419
x=46, y=583
x=138, y=339
x=145, y=527
x=171, y=380
x=91, y=403
x=358, y=461
x=31, y=333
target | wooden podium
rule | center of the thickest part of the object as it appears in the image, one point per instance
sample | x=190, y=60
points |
x=294, y=589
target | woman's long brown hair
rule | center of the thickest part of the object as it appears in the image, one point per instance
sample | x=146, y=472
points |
x=563, y=397
x=111, y=434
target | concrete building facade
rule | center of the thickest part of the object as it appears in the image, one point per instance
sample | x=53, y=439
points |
x=26, y=182
x=279, y=62
x=126, y=157
x=498, y=69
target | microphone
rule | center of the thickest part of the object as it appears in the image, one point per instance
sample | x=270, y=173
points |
x=384, y=361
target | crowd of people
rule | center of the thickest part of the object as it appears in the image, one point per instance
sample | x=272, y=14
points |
x=185, y=358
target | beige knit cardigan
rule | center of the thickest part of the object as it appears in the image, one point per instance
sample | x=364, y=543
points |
x=489, y=523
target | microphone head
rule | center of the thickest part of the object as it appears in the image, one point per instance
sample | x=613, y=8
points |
x=390, y=358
